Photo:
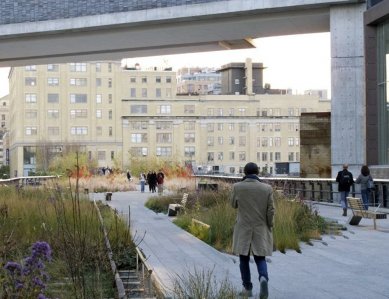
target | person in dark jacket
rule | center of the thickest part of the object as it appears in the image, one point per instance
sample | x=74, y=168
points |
x=345, y=181
x=364, y=179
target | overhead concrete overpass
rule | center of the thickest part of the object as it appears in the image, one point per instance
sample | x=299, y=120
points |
x=39, y=32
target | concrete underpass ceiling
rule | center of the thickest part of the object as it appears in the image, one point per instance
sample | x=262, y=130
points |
x=141, y=40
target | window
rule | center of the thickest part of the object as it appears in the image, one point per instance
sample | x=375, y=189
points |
x=265, y=141
x=144, y=92
x=99, y=113
x=277, y=141
x=110, y=131
x=236, y=81
x=31, y=114
x=277, y=127
x=264, y=112
x=110, y=98
x=158, y=79
x=78, y=98
x=53, y=98
x=53, y=113
x=290, y=111
x=242, y=156
x=101, y=155
x=189, y=137
x=78, y=113
x=99, y=131
x=220, y=127
x=30, y=68
x=231, y=140
x=231, y=127
x=158, y=92
x=164, y=125
x=53, y=67
x=138, y=137
x=210, y=141
x=30, y=98
x=220, y=156
x=168, y=92
x=52, y=81
x=290, y=156
x=99, y=99
x=189, y=125
x=231, y=112
x=189, y=109
x=210, y=156
x=270, y=141
x=189, y=151
x=242, y=127
x=242, y=111
x=133, y=92
x=53, y=131
x=164, y=109
x=77, y=67
x=98, y=82
x=220, y=140
x=109, y=67
x=112, y=155
x=164, y=151
x=271, y=157
x=297, y=157
x=242, y=140
x=133, y=80
x=31, y=131
x=79, y=131
x=144, y=79
x=79, y=82
x=98, y=67
x=264, y=156
x=138, y=125
x=296, y=127
x=139, y=151
x=290, y=141
x=110, y=114
x=258, y=156
x=109, y=82
x=210, y=111
x=258, y=141
x=297, y=141
x=168, y=79
x=164, y=138
x=30, y=81
x=277, y=156
x=138, y=109
x=219, y=111
x=210, y=127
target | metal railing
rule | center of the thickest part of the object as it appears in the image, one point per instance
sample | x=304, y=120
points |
x=316, y=189
x=27, y=180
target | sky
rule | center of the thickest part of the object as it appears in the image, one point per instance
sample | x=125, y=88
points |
x=298, y=62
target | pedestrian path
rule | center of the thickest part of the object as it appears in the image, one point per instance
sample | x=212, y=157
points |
x=352, y=265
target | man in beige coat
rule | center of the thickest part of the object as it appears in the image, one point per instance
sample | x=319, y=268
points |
x=253, y=227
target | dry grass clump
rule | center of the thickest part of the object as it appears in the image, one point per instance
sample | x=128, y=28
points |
x=112, y=183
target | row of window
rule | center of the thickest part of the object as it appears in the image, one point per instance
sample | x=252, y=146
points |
x=143, y=92
x=74, y=114
x=73, y=67
x=54, y=81
x=53, y=98
x=145, y=79
x=55, y=131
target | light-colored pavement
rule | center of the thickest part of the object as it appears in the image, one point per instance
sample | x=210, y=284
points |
x=352, y=265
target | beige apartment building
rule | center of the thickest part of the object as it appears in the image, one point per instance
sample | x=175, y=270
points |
x=4, y=118
x=115, y=114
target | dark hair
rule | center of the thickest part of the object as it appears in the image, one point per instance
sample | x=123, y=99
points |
x=251, y=168
x=365, y=170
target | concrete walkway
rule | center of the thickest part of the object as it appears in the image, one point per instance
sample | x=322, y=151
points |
x=353, y=265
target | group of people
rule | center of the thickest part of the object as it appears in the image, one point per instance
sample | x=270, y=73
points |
x=153, y=179
x=345, y=181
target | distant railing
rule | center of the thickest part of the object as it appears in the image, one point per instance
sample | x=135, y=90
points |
x=27, y=180
x=316, y=189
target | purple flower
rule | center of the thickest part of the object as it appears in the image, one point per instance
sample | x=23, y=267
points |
x=13, y=268
x=41, y=250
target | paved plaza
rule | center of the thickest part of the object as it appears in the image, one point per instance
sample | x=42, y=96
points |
x=352, y=265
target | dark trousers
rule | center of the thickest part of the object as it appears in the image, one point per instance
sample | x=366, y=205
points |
x=244, y=266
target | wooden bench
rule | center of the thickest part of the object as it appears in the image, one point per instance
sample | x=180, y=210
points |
x=359, y=212
x=175, y=207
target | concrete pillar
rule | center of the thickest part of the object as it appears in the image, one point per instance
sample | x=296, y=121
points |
x=249, y=76
x=348, y=105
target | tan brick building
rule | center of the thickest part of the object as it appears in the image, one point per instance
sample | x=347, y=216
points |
x=114, y=114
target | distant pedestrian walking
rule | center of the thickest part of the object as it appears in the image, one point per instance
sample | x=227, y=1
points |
x=367, y=185
x=128, y=175
x=160, y=181
x=253, y=227
x=345, y=181
x=142, y=180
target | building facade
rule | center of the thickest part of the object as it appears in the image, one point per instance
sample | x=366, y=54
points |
x=114, y=114
x=198, y=81
x=4, y=118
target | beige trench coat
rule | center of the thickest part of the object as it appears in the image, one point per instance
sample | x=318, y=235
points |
x=254, y=222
